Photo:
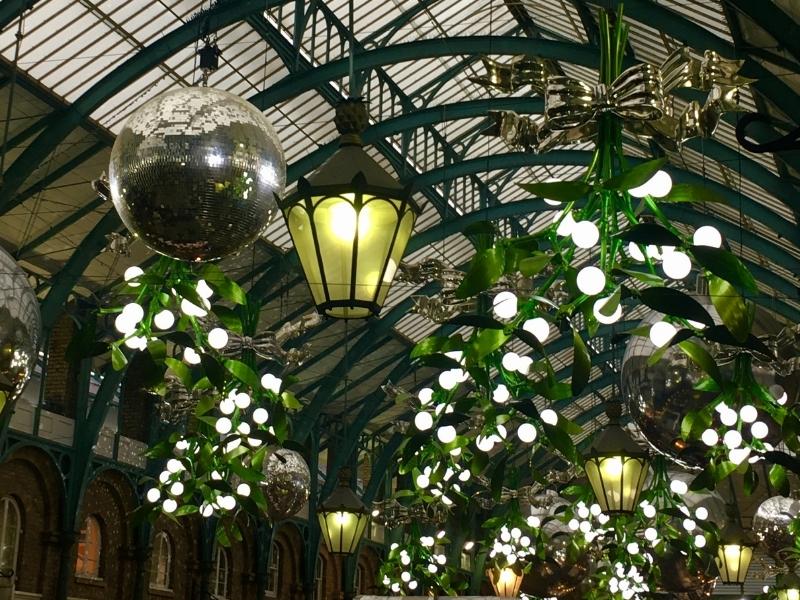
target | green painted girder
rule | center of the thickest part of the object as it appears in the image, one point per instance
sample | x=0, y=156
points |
x=53, y=176
x=295, y=84
x=17, y=139
x=59, y=227
x=218, y=16
x=10, y=10
x=381, y=468
x=66, y=278
x=397, y=23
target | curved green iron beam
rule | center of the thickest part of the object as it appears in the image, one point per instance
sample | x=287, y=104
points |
x=218, y=16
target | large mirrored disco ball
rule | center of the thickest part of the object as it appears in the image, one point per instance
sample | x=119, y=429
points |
x=287, y=484
x=682, y=581
x=556, y=575
x=771, y=525
x=194, y=173
x=20, y=330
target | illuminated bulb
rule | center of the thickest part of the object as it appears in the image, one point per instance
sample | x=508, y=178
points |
x=504, y=305
x=170, y=506
x=591, y=280
x=748, y=413
x=549, y=416
x=227, y=406
x=661, y=333
x=700, y=541
x=732, y=439
x=243, y=429
x=574, y=524
x=176, y=489
x=464, y=476
x=635, y=252
x=242, y=400
x=174, y=465
x=632, y=548
x=423, y=421
x=153, y=495
x=134, y=312
x=448, y=379
x=583, y=511
x=243, y=490
x=203, y=290
x=395, y=587
x=132, y=273
x=425, y=395
x=136, y=342
x=649, y=511
x=217, y=338
x=538, y=328
x=660, y=184
x=485, y=444
x=181, y=445
x=678, y=487
x=710, y=437
x=405, y=576
x=689, y=525
x=260, y=416
x=707, y=235
x=729, y=417
x=759, y=430
x=227, y=502
x=412, y=585
x=738, y=455
x=501, y=394
x=164, y=476
x=650, y=534
x=446, y=434
x=271, y=383
x=585, y=234
x=567, y=224
x=192, y=310
x=524, y=365
x=223, y=425
x=191, y=356
x=124, y=324
x=585, y=526
x=164, y=319
x=606, y=319
x=527, y=433
x=677, y=265
x=510, y=361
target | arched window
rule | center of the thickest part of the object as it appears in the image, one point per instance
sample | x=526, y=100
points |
x=319, y=579
x=273, y=571
x=10, y=529
x=90, y=549
x=361, y=580
x=161, y=562
x=219, y=578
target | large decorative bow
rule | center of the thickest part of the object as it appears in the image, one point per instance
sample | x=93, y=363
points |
x=641, y=96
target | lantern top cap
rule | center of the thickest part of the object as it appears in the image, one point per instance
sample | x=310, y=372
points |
x=351, y=117
x=350, y=162
x=343, y=499
x=733, y=534
x=613, y=440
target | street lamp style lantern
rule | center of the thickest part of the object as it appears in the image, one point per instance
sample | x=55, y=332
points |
x=506, y=581
x=350, y=223
x=616, y=468
x=734, y=554
x=787, y=587
x=342, y=518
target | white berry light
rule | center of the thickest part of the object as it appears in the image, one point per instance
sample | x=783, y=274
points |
x=549, y=416
x=707, y=235
x=635, y=252
x=585, y=234
x=606, y=319
x=446, y=434
x=591, y=281
x=677, y=265
x=504, y=305
x=423, y=421
x=164, y=319
x=132, y=273
x=566, y=226
x=661, y=333
x=527, y=433
x=538, y=328
x=217, y=338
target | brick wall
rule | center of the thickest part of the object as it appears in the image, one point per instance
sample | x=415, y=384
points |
x=61, y=382
x=137, y=405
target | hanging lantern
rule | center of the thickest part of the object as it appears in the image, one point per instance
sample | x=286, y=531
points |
x=787, y=587
x=616, y=468
x=343, y=518
x=506, y=581
x=350, y=223
x=734, y=554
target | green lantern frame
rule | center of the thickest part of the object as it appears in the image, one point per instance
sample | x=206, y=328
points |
x=343, y=518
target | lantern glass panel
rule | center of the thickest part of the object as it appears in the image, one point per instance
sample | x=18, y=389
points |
x=342, y=530
x=505, y=581
x=733, y=561
x=788, y=594
x=617, y=481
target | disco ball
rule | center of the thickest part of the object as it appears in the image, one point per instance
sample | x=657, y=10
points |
x=20, y=330
x=683, y=582
x=771, y=525
x=557, y=575
x=195, y=172
x=287, y=483
x=658, y=396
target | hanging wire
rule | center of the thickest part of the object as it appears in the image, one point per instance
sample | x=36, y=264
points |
x=12, y=87
x=351, y=25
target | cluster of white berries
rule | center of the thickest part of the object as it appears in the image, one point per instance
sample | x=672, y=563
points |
x=629, y=584
x=733, y=423
x=451, y=479
x=433, y=564
x=511, y=546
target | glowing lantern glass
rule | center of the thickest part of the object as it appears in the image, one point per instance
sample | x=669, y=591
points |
x=616, y=468
x=342, y=518
x=505, y=581
x=350, y=223
x=787, y=587
x=734, y=554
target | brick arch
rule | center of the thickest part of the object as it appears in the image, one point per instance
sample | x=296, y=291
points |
x=185, y=560
x=370, y=561
x=242, y=565
x=32, y=478
x=290, y=541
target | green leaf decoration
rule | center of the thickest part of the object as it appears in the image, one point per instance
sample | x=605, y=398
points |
x=561, y=441
x=487, y=267
x=726, y=266
x=181, y=371
x=704, y=481
x=186, y=509
x=179, y=338
x=676, y=303
x=534, y=264
x=498, y=475
x=636, y=176
x=688, y=192
x=205, y=404
x=561, y=191
x=790, y=431
x=530, y=339
x=694, y=423
x=736, y=313
x=118, y=359
x=487, y=341
x=701, y=357
x=581, y=364
x=189, y=292
x=290, y=401
x=242, y=372
x=723, y=469
x=750, y=480
x=222, y=284
x=438, y=361
x=480, y=321
x=778, y=479
x=649, y=233
x=721, y=335
x=227, y=317
x=213, y=370
x=612, y=303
